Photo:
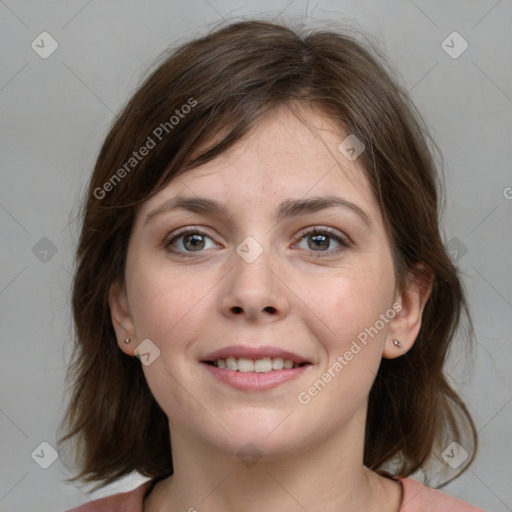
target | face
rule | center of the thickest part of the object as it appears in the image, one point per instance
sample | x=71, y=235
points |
x=292, y=268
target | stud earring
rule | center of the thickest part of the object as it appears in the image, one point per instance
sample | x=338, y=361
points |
x=397, y=343
x=127, y=340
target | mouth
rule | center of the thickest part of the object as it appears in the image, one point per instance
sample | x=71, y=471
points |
x=254, y=368
x=263, y=365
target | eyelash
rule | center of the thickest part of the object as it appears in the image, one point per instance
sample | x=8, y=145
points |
x=331, y=233
x=316, y=230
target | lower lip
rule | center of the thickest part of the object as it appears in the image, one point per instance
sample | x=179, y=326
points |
x=254, y=381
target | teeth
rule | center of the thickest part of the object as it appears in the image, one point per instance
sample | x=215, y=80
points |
x=245, y=365
x=231, y=363
x=277, y=363
x=264, y=365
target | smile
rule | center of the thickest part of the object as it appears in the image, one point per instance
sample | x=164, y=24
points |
x=251, y=368
x=263, y=365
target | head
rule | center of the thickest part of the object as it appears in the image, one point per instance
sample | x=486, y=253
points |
x=254, y=117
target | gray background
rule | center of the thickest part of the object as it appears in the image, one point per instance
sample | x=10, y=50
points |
x=55, y=113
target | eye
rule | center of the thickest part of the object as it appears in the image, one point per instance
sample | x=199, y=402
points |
x=189, y=240
x=322, y=240
x=317, y=239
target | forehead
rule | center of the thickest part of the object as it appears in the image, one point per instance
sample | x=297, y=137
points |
x=289, y=154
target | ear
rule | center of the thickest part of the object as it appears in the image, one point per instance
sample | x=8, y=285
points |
x=406, y=324
x=121, y=318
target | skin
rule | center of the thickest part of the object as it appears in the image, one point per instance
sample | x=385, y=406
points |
x=309, y=300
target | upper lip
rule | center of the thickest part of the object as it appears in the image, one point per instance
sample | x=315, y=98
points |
x=254, y=353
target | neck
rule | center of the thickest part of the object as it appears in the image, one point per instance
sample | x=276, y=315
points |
x=325, y=477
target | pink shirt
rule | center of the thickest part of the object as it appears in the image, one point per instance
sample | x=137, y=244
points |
x=417, y=498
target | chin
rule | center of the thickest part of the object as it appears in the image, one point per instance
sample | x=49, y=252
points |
x=265, y=432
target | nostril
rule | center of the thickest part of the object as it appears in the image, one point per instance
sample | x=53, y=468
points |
x=270, y=309
x=237, y=310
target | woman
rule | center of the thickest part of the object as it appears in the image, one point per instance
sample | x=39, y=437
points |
x=263, y=302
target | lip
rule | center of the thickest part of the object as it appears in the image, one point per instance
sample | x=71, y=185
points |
x=253, y=353
x=253, y=381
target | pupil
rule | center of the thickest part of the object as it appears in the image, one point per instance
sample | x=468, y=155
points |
x=196, y=241
x=324, y=244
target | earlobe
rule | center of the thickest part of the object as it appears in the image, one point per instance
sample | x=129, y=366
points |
x=121, y=318
x=405, y=327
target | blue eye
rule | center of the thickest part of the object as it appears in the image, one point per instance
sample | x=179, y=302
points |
x=320, y=240
x=189, y=240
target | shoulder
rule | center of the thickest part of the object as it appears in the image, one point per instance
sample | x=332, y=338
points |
x=132, y=501
x=420, y=498
x=416, y=498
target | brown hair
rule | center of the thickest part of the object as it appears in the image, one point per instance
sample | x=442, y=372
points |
x=228, y=80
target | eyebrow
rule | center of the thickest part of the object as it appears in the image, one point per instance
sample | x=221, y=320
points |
x=288, y=208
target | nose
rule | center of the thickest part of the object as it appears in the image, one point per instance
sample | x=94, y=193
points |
x=255, y=290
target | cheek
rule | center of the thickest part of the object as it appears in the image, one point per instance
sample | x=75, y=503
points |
x=353, y=335
x=169, y=309
x=164, y=304
x=352, y=308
